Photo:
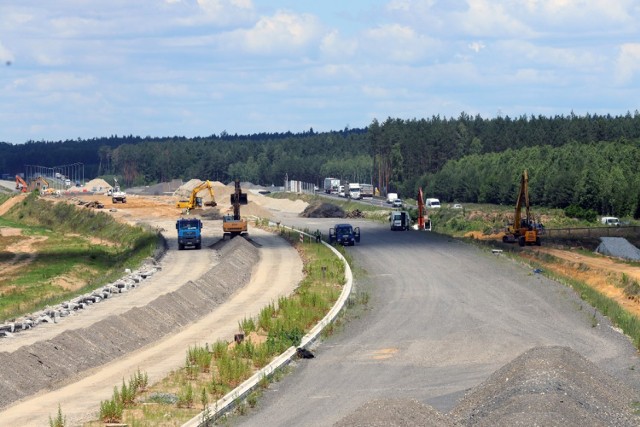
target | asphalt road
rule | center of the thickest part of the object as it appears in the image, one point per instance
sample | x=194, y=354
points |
x=442, y=316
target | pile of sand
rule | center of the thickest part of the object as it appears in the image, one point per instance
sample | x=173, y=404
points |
x=258, y=204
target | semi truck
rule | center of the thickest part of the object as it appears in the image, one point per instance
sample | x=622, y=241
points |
x=366, y=190
x=331, y=185
x=189, y=233
x=352, y=191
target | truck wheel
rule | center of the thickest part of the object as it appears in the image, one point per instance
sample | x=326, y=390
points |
x=114, y=201
x=180, y=246
x=538, y=242
x=199, y=246
x=521, y=241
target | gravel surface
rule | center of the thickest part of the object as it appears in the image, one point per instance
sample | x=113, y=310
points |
x=51, y=363
x=545, y=386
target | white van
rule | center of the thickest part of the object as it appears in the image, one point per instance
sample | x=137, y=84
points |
x=432, y=203
x=610, y=221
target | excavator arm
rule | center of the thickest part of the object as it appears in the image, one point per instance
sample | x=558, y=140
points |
x=21, y=184
x=522, y=231
x=233, y=225
x=193, y=198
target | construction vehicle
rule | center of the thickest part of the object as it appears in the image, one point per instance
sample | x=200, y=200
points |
x=235, y=225
x=189, y=233
x=523, y=230
x=195, y=201
x=21, y=184
x=117, y=195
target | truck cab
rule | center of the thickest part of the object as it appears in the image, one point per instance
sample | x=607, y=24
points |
x=344, y=234
x=399, y=220
x=189, y=233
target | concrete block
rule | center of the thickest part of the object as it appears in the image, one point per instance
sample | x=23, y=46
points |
x=8, y=327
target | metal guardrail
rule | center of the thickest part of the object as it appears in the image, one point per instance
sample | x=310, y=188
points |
x=228, y=402
x=576, y=232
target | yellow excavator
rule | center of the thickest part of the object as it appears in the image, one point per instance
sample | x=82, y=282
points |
x=195, y=201
x=235, y=225
x=523, y=230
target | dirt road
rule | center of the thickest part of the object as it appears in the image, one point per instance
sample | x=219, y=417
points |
x=277, y=273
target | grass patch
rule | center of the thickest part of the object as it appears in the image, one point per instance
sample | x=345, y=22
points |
x=61, y=259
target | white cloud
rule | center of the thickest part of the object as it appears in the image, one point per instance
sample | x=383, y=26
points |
x=284, y=32
x=55, y=82
x=168, y=90
x=397, y=43
x=335, y=46
x=628, y=63
x=476, y=46
x=6, y=54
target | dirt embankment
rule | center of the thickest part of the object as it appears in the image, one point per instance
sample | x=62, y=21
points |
x=49, y=363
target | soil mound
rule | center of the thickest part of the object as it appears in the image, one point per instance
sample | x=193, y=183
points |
x=323, y=210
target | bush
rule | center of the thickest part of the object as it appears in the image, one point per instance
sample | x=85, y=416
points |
x=575, y=211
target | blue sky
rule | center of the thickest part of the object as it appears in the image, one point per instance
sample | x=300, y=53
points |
x=82, y=69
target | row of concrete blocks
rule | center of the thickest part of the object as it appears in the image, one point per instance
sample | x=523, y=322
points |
x=53, y=315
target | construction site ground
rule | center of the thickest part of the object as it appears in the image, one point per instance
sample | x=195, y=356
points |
x=279, y=265
x=277, y=273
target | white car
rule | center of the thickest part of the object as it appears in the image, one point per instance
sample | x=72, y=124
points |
x=397, y=203
x=457, y=206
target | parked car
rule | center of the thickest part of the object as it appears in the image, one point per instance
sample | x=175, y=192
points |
x=397, y=203
x=457, y=206
x=344, y=234
x=611, y=221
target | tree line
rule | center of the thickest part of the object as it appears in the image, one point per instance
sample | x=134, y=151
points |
x=468, y=158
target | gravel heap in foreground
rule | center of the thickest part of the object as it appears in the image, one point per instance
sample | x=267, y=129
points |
x=50, y=363
x=545, y=386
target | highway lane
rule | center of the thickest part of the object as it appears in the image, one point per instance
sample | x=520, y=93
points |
x=442, y=316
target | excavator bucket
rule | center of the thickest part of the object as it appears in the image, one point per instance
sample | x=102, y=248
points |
x=242, y=200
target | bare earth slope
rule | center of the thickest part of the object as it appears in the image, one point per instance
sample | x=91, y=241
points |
x=151, y=328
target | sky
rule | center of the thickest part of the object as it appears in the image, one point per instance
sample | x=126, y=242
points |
x=85, y=69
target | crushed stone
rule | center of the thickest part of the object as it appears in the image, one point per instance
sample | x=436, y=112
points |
x=544, y=386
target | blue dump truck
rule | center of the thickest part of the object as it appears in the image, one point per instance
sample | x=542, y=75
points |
x=344, y=234
x=189, y=233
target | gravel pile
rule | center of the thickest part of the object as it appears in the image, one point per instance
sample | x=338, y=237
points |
x=50, y=363
x=545, y=386
x=618, y=247
x=392, y=413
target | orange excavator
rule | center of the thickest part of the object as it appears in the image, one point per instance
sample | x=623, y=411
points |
x=21, y=184
x=421, y=212
x=523, y=230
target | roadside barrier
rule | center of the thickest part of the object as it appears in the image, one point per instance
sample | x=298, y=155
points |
x=228, y=402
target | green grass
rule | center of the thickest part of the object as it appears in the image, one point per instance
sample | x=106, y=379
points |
x=65, y=253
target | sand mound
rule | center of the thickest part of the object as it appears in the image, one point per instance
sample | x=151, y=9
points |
x=98, y=184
